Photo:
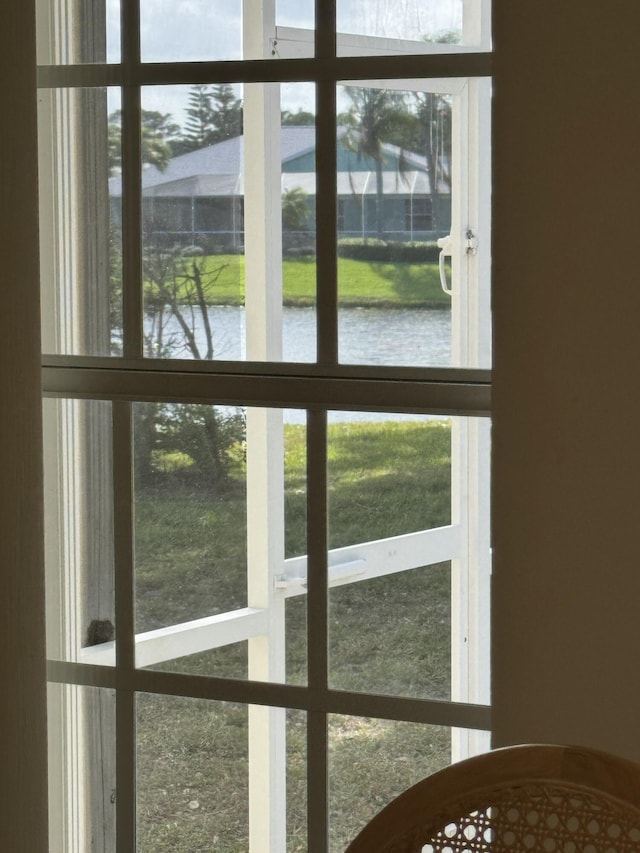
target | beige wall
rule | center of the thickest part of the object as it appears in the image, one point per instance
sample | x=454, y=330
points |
x=567, y=362
x=566, y=470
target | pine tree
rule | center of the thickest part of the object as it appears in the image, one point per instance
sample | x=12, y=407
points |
x=200, y=124
x=226, y=113
x=213, y=115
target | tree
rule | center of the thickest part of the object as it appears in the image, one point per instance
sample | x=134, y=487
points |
x=227, y=113
x=433, y=140
x=300, y=118
x=295, y=209
x=157, y=132
x=375, y=116
x=178, y=290
x=432, y=135
x=296, y=237
x=213, y=115
x=199, y=124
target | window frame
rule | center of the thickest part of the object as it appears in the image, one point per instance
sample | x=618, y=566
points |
x=325, y=385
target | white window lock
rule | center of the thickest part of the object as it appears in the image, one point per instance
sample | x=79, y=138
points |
x=445, y=244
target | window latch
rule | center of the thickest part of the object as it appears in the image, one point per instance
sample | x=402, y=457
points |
x=471, y=242
x=337, y=575
x=445, y=244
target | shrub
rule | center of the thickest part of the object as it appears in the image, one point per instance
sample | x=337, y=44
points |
x=359, y=249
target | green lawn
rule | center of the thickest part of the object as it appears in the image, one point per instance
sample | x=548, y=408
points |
x=389, y=635
x=360, y=283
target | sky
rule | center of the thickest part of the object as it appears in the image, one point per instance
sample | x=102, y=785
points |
x=205, y=30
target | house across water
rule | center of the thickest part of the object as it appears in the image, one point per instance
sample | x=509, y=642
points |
x=199, y=198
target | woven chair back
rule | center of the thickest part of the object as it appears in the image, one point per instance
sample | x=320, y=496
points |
x=524, y=799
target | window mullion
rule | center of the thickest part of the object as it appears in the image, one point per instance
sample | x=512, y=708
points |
x=326, y=217
x=132, y=308
x=317, y=616
x=326, y=203
x=125, y=641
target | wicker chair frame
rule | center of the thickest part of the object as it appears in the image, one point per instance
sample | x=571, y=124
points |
x=524, y=799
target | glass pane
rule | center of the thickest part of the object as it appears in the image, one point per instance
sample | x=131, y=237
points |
x=80, y=239
x=372, y=761
x=208, y=555
x=194, y=774
x=192, y=209
x=389, y=475
x=392, y=634
x=79, y=556
x=82, y=768
x=409, y=565
x=78, y=32
x=390, y=579
x=226, y=218
x=375, y=27
x=394, y=147
x=295, y=13
x=198, y=31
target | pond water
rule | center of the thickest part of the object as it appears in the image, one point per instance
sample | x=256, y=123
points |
x=397, y=337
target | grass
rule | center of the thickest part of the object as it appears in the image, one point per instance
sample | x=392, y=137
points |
x=360, y=283
x=388, y=635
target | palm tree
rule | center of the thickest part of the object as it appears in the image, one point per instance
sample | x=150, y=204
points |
x=433, y=140
x=375, y=116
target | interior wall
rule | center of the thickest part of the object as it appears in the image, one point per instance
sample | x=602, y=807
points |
x=23, y=777
x=566, y=467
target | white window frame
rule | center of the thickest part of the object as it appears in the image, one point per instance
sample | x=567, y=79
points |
x=455, y=391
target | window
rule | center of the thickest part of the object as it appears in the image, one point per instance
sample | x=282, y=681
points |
x=267, y=524
x=418, y=215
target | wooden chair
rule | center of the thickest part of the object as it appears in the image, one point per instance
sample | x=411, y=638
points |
x=521, y=799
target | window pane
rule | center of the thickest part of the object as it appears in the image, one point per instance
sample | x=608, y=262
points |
x=77, y=31
x=80, y=233
x=192, y=221
x=389, y=475
x=82, y=768
x=378, y=25
x=394, y=203
x=409, y=565
x=215, y=507
x=393, y=634
x=228, y=222
x=198, y=31
x=371, y=762
x=390, y=488
x=194, y=775
x=79, y=544
x=295, y=13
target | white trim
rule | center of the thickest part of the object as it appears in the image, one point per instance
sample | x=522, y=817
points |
x=367, y=560
x=296, y=43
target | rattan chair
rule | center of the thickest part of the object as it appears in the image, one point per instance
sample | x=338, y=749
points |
x=521, y=799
